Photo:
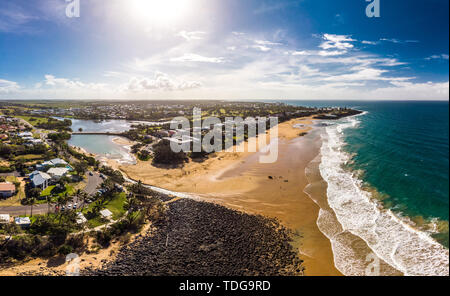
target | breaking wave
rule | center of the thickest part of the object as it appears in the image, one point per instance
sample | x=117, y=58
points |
x=406, y=249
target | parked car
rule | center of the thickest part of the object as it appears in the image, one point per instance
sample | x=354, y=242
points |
x=91, y=174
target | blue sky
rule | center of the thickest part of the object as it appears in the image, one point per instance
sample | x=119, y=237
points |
x=233, y=49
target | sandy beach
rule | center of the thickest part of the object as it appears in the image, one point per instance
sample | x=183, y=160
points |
x=239, y=181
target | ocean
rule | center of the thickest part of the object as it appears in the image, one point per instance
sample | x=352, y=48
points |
x=387, y=172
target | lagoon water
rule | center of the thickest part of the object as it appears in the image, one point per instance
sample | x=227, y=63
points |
x=102, y=145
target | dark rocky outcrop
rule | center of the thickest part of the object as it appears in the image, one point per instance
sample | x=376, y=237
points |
x=200, y=239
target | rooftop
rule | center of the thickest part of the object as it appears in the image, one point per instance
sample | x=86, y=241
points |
x=7, y=187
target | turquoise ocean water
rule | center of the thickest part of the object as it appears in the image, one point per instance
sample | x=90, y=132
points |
x=402, y=150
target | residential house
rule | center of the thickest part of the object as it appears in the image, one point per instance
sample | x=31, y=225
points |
x=34, y=142
x=5, y=218
x=57, y=162
x=25, y=134
x=23, y=222
x=7, y=189
x=39, y=179
x=57, y=173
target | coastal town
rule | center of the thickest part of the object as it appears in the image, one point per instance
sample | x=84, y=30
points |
x=57, y=199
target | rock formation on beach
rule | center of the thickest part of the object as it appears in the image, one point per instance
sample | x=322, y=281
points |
x=200, y=238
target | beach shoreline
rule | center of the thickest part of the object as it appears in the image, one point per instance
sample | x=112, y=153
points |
x=238, y=181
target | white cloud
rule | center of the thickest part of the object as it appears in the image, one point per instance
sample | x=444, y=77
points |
x=261, y=47
x=398, y=41
x=442, y=56
x=369, y=42
x=191, y=57
x=193, y=35
x=64, y=83
x=332, y=41
x=241, y=65
x=331, y=53
x=160, y=81
x=366, y=74
x=7, y=86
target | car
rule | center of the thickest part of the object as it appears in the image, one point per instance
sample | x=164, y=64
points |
x=69, y=206
x=74, y=206
x=102, y=176
x=63, y=208
x=91, y=174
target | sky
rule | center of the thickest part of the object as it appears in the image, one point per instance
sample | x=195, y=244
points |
x=233, y=49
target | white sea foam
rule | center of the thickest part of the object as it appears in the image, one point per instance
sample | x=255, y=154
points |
x=408, y=250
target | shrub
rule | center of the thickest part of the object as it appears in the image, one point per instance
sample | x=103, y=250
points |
x=65, y=250
x=165, y=155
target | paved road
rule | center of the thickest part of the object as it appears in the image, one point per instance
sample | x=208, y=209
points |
x=26, y=210
x=92, y=183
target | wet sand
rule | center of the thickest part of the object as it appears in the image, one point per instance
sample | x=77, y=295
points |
x=239, y=181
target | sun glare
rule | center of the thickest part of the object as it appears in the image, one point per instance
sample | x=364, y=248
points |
x=158, y=11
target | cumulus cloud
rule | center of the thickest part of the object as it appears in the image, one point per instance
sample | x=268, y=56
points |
x=160, y=81
x=54, y=82
x=243, y=65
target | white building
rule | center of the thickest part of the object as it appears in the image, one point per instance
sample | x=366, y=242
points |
x=25, y=134
x=81, y=218
x=23, y=222
x=107, y=214
x=5, y=218
x=57, y=173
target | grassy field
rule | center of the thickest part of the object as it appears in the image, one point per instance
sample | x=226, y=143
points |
x=33, y=120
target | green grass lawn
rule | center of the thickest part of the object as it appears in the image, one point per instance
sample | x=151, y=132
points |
x=115, y=206
x=47, y=191
x=37, y=120
x=29, y=157
x=50, y=191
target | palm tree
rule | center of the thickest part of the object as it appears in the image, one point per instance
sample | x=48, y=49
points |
x=62, y=200
x=131, y=203
x=32, y=201
x=49, y=200
x=33, y=194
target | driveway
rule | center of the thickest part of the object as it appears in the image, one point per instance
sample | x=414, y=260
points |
x=92, y=183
